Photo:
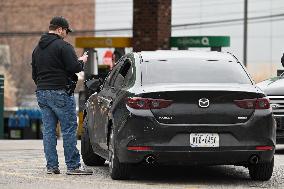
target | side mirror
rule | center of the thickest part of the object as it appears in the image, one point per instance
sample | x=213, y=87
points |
x=93, y=84
x=282, y=60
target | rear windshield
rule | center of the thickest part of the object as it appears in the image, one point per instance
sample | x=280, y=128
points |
x=193, y=71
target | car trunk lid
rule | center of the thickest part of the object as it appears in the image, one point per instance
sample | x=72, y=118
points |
x=201, y=104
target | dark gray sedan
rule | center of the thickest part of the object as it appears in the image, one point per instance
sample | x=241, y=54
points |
x=274, y=89
x=179, y=108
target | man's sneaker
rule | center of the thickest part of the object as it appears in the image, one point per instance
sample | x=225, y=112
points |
x=53, y=171
x=80, y=171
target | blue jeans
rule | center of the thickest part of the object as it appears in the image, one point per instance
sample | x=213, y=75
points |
x=57, y=105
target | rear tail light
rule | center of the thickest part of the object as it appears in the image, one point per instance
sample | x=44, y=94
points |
x=264, y=148
x=256, y=103
x=139, y=148
x=147, y=103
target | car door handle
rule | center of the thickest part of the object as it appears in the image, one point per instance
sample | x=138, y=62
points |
x=112, y=89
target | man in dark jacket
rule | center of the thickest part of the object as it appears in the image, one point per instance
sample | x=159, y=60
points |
x=54, y=62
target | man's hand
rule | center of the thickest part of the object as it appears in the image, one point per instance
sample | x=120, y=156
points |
x=83, y=58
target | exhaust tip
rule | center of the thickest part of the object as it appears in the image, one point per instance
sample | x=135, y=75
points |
x=254, y=159
x=150, y=160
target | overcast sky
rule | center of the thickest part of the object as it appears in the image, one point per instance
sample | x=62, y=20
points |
x=265, y=36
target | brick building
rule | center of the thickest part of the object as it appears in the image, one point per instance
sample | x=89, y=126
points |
x=151, y=24
x=20, y=16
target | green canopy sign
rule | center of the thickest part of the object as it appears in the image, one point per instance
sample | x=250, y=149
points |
x=200, y=41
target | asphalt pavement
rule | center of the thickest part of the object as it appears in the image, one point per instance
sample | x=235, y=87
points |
x=22, y=166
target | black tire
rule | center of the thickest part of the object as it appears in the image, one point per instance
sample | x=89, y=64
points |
x=117, y=170
x=88, y=155
x=262, y=171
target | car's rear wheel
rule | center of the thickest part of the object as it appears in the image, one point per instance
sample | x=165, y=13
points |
x=118, y=171
x=88, y=155
x=261, y=171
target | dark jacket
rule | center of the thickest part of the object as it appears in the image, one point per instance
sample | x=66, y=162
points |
x=53, y=62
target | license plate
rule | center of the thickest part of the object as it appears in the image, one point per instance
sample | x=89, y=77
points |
x=204, y=140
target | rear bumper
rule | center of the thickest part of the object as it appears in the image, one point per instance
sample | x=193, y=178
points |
x=170, y=144
x=228, y=157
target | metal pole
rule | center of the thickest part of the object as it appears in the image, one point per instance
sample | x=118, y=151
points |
x=89, y=65
x=245, y=30
x=1, y=106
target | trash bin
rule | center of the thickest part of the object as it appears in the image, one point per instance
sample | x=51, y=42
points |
x=1, y=106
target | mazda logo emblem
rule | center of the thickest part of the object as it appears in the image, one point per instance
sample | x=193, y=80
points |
x=203, y=103
x=275, y=106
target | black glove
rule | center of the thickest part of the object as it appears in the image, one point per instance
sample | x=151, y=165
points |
x=71, y=84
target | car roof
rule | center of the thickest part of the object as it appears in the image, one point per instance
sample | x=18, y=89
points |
x=186, y=54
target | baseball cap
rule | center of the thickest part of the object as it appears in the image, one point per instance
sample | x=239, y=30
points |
x=61, y=22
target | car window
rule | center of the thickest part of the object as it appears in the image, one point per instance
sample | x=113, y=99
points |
x=130, y=77
x=181, y=70
x=122, y=74
x=111, y=76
